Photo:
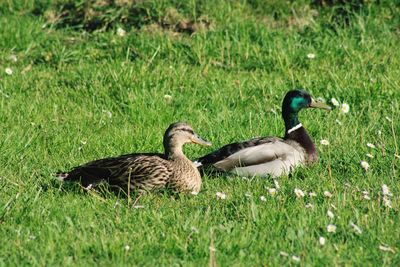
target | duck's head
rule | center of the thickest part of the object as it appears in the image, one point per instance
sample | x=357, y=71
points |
x=180, y=133
x=297, y=99
x=294, y=101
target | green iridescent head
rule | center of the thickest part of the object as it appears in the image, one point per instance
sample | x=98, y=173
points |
x=294, y=101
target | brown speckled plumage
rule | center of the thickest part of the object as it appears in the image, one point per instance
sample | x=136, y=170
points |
x=146, y=172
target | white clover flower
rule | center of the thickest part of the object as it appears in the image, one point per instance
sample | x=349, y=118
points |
x=127, y=247
x=345, y=108
x=121, y=32
x=365, y=165
x=369, y=155
x=272, y=191
x=386, y=248
x=309, y=206
x=387, y=202
x=296, y=258
x=327, y=194
x=385, y=190
x=312, y=194
x=263, y=198
x=335, y=102
x=330, y=214
x=322, y=241
x=277, y=186
x=13, y=58
x=379, y=132
x=9, y=71
x=220, y=195
x=299, y=193
x=371, y=145
x=356, y=228
x=108, y=113
x=311, y=56
x=331, y=228
x=324, y=142
x=366, y=197
x=283, y=254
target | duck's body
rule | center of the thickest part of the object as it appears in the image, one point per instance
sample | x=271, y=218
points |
x=146, y=171
x=270, y=156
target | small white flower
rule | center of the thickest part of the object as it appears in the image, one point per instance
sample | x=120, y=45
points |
x=387, y=202
x=9, y=71
x=277, y=186
x=324, y=142
x=272, y=191
x=108, y=113
x=366, y=197
x=356, y=228
x=379, y=132
x=365, y=165
x=283, y=254
x=327, y=194
x=312, y=194
x=299, y=192
x=13, y=58
x=330, y=214
x=371, y=145
x=331, y=228
x=296, y=258
x=322, y=241
x=385, y=190
x=311, y=56
x=386, y=248
x=121, y=32
x=263, y=198
x=334, y=102
x=309, y=206
x=338, y=122
x=127, y=247
x=168, y=98
x=345, y=108
x=369, y=155
x=220, y=195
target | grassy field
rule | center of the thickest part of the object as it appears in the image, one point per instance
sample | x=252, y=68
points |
x=76, y=87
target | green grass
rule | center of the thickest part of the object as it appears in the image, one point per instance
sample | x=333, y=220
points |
x=54, y=114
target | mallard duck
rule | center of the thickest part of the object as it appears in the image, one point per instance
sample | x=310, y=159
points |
x=146, y=171
x=271, y=156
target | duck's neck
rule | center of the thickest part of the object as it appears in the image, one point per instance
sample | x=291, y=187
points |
x=295, y=131
x=174, y=152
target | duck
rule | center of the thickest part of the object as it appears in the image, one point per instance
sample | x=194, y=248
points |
x=270, y=156
x=144, y=172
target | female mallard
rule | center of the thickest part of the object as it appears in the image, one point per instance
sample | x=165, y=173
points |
x=271, y=155
x=146, y=171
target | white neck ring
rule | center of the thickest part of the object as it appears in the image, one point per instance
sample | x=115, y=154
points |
x=294, y=128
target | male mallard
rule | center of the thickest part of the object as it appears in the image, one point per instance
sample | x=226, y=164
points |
x=146, y=171
x=271, y=155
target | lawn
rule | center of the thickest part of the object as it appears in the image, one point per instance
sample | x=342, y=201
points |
x=81, y=82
